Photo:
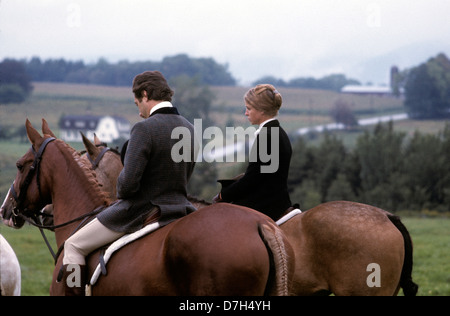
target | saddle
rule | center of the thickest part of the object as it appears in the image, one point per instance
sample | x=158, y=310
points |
x=290, y=213
x=151, y=224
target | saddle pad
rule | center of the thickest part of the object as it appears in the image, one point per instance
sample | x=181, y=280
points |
x=119, y=243
x=288, y=216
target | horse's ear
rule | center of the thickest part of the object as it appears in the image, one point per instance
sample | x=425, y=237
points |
x=32, y=133
x=97, y=140
x=90, y=147
x=46, y=129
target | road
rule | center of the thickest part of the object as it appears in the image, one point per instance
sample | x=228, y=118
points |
x=362, y=122
x=220, y=154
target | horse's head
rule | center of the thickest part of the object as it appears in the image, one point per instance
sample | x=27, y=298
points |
x=106, y=163
x=28, y=195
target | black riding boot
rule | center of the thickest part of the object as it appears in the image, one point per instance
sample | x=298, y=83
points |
x=74, y=278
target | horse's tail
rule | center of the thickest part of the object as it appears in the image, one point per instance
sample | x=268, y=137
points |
x=281, y=260
x=406, y=283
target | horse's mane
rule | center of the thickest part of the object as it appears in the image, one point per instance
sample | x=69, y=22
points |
x=88, y=175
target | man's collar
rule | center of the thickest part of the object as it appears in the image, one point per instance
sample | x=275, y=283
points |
x=164, y=104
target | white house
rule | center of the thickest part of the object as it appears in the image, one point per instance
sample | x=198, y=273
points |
x=107, y=128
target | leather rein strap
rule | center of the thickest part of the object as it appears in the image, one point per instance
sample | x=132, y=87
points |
x=98, y=159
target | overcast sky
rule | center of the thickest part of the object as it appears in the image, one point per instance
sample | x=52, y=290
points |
x=282, y=38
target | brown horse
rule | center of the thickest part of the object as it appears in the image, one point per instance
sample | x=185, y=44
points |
x=220, y=250
x=106, y=163
x=348, y=248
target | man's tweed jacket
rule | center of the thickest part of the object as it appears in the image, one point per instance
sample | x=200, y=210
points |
x=150, y=177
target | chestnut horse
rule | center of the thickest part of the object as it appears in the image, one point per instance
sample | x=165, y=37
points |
x=220, y=250
x=348, y=248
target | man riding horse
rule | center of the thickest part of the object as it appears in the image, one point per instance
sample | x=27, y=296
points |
x=151, y=184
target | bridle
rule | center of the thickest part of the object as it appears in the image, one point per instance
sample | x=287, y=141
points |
x=97, y=160
x=34, y=169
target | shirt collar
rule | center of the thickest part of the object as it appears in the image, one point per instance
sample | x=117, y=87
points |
x=164, y=104
x=262, y=125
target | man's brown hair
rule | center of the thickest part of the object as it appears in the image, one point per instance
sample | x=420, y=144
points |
x=154, y=83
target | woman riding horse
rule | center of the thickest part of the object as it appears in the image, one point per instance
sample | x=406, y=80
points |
x=263, y=187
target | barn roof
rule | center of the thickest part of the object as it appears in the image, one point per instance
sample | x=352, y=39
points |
x=367, y=89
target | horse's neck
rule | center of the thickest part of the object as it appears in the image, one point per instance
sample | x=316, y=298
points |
x=73, y=195
x=108, y=172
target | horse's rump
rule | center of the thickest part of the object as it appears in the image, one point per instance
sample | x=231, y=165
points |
x=226, y=242
x=338, y=237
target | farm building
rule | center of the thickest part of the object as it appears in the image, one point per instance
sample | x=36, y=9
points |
x=368, y=90
x=394, y=89
x=107, y=128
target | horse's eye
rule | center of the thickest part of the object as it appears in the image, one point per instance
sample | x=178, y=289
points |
x=19, y=166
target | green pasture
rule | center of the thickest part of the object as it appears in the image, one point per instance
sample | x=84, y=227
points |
x=431, y=238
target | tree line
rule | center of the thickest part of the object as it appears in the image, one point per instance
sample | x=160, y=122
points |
x=385, y=169
x=122, y=73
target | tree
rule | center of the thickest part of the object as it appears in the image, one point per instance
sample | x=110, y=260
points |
x=11, y=93
x=425, y=165
x=15, y=84
x=193, y=99
x=381, y=161
x=427, y=89
x=342, y=114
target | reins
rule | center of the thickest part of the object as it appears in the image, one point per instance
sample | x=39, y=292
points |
x=33, y=220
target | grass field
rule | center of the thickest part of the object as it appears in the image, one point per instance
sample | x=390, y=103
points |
x=431, y=238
